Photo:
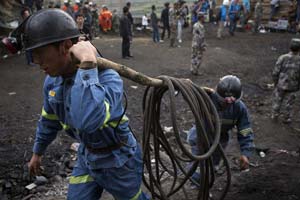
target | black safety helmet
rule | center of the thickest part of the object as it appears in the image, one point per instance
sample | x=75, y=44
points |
x=229, y=86
x=48, y=26
x=295, y=44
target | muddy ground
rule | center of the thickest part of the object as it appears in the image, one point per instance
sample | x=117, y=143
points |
x=251, y=57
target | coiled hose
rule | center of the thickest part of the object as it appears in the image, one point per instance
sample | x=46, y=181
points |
x=161, y=159
x=168, y=162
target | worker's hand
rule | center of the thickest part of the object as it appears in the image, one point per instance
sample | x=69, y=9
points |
x=35, y=164
x=85, y=53
x=244, y=162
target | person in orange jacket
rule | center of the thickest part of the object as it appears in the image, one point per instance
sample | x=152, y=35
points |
x=105, y=18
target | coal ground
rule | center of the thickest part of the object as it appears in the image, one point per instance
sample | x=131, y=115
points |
x=251, y=57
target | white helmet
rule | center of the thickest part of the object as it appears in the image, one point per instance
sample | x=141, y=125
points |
x=77, y=1
x=90, y=3
x=66, y=1
x=226, y=2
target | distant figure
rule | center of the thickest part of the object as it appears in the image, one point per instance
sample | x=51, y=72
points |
x=234, y=15
x=144, y=21
x=274, y=8
x=105, y=19
x=128, y=5
x=125, y=33
x=286, y=77
x=67, y=8
x=246, y=13
x=115, y=21
x=165, y=21
x=76, y=6
x=181, y=13
x=198, y=45
x=223, y=19
x=24, y=14
x=154, y=24
x=258, y=13
x=173, y=23
x=95, y=21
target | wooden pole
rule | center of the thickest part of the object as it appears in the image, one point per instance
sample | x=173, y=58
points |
x=129, y=73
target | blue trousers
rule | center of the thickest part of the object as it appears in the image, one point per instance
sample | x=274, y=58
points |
x=232, y=26
x=123, y=183
x=192, y=137
x=155, y=34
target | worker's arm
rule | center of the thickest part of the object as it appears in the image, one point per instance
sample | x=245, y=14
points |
x=245, y=136
x=46, y=132
x=48, y=124
x=93, y=102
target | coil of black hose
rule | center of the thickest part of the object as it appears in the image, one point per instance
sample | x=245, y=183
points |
x=155, y=141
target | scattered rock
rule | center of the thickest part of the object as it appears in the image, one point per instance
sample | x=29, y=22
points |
x=56, y=179
x=75, y=146
x=40, y=180
x=31, y=186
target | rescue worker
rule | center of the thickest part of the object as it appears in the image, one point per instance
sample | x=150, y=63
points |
x=76, y=6
x=286, y=77
x=87, y=103
x=198, y=44
x=67, y=8
x=233, y=113
x=105, y=19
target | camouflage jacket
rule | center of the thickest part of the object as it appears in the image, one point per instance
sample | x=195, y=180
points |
x=258, y=12
x=286, y=74
x=198, y=36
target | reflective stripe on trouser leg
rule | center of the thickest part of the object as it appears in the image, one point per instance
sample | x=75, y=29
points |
x=82, y=186
x=124, y=182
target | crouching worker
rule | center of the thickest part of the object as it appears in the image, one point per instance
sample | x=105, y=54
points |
x=233, y=113
x=87, y=103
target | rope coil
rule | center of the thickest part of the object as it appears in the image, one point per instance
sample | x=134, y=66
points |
x=167, y=161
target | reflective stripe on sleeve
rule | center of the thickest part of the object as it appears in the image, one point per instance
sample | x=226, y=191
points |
x=246, y=131
x=107, y=117
x=81, y=179
x=114, y=124
x=49, y=116
x=65, y=126
x=136, y=196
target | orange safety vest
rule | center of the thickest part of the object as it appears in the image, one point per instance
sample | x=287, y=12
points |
x=105, y=18
x=75, y=8
x=64, y=8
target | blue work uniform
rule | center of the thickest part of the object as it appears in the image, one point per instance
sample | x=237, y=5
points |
x=223, y=13
x=205, y=6
x=234, y=10
x=234, y=115
x=88, y=106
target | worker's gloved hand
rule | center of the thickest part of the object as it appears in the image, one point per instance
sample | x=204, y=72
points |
x=85, y=53
x=244, y=162
x=35, y=164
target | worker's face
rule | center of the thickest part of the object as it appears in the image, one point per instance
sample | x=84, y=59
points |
x=79, y=21
x=225, y=102
x=53, y=60
x=26, y=14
